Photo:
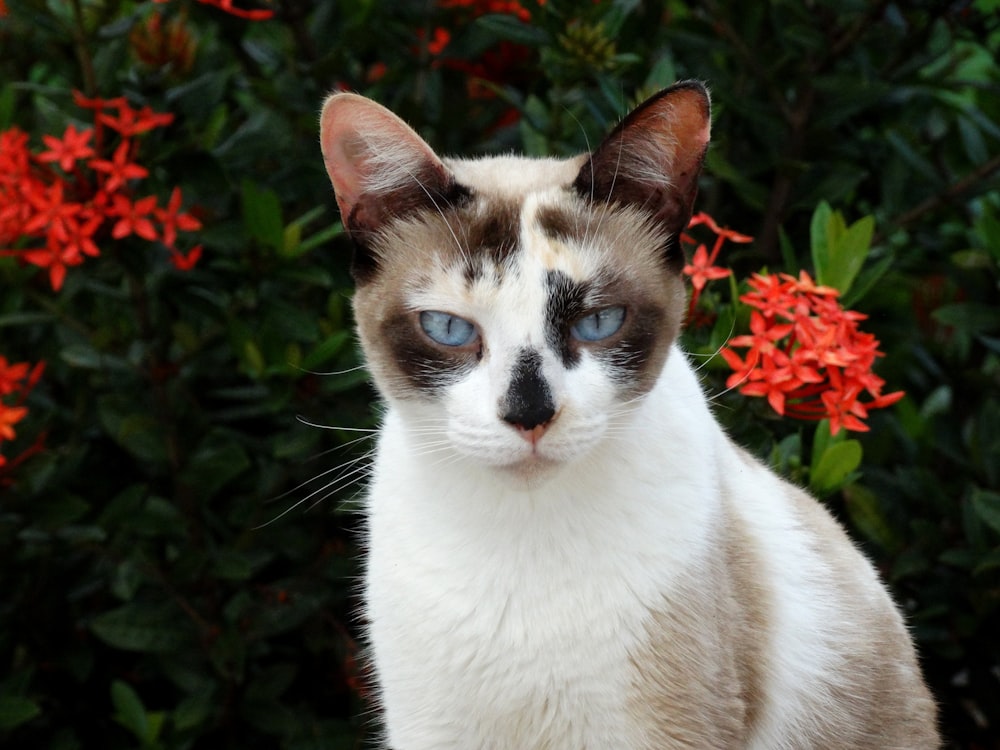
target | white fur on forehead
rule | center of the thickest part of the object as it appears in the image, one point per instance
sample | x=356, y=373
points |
x=514, y=176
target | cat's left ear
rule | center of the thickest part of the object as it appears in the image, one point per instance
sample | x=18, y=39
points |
x=380, y=168
x=653, y=158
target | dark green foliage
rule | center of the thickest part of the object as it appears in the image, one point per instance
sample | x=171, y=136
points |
x=156, y=594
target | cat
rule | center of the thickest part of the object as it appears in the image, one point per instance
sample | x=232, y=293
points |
x=564, y=549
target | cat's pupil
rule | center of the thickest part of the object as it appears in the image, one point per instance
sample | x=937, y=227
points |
x=447, y=329
x=600, y=324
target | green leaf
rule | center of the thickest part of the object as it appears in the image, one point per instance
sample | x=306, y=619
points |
x=321, y=237
x=143, y=627
x=839, y=251
x=138, y=433
x=194, y=711
x=129, y=711
x=83, y=356
x=230, y=565
x=991, y=561
x=126, y=579
x=510, y=28
x=253, y=358
x=819, y=238
x=850, y=253
x=822, y=440
x=836, y=466
x=329, y=348
x=294, y=245
x=217, y=460
x=24, y=319
x=987, y=507
x=867, y=280
x=916, y=161
x=969, y=317
x=262, y=217
x=866, y=515
x=788, y=256
x=16, y=710
x=661, y=74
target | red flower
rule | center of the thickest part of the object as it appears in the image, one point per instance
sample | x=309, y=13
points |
x=97, y=103
x=440, y=39
x=171, y=219
x=133, y=217
x=11, y=375
x=10, y=416
x=249, y=15
x=69, y=149
x=702, y=268
x=119, y=168
x=51, y=210
x=702, y=271
x=727, y=234
x=131, y=122
x=772, y=380
x=227, y=6
x=843, y=408
x=185, y=262
x=56, y=257
x=16, y=379
x=78, y=235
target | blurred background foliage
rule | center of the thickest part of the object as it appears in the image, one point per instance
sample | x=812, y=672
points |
x=176, y=530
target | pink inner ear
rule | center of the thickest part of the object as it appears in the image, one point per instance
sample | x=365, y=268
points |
x=367, y=148
x=677, y=129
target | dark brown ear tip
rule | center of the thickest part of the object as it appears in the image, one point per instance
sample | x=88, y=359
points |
x=690, y=85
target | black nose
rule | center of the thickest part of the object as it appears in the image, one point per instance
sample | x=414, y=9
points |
x=528, y=401
x=530, y=416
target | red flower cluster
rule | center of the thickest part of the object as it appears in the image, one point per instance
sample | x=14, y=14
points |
x=16, y=382
x=58, y=203
x=504, y=62
x=702, y=268
x=260, y=14
x=483, y=7
x=806, y=354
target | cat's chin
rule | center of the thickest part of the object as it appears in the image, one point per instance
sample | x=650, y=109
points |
x=531, y=472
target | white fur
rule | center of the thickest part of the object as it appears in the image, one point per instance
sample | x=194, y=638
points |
x=494, y=554
x=462, y=560
x=474, y=534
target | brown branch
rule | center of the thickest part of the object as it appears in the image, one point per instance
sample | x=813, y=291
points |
x=798, y=116
x=82, y=51
x=955, y=189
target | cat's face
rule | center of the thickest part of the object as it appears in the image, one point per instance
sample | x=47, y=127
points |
x=516, y=309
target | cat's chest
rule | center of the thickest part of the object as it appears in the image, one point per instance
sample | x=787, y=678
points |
x=522, y=612
x=533, y=642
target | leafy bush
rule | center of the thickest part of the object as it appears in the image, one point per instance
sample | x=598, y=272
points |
x=176, y=534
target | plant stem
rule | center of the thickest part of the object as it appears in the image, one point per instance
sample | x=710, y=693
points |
x=83, y=51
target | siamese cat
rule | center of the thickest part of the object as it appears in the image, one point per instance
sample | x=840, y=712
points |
x=565, y=551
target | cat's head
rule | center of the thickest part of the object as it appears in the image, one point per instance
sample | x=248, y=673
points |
x=516, y=308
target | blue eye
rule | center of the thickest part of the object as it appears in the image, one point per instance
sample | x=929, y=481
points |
x=599, y=325
x=447, y=329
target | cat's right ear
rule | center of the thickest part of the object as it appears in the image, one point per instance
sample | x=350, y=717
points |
x=380, y=168
x=653, y=158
